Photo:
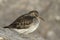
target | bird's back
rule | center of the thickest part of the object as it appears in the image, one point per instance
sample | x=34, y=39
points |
x=22, y=22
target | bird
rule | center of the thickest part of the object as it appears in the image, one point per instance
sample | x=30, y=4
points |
x=26, y=23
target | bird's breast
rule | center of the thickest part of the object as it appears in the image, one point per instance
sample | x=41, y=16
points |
x=33, y=26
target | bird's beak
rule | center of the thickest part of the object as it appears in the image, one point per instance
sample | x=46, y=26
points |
x=41, y=18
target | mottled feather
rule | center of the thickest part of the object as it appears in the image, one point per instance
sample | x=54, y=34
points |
x=22, y=22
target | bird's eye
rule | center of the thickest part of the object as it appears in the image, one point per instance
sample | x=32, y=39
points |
x=36, y=14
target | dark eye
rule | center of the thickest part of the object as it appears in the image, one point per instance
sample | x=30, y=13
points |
x=36, y=14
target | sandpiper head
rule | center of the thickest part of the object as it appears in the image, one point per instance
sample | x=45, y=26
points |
x=34, y=13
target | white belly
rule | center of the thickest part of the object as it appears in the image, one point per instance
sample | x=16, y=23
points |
x=29, y=30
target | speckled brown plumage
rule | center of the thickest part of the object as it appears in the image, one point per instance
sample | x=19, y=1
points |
x=22, y=22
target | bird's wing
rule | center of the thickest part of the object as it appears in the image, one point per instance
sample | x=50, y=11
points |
x=22, y=22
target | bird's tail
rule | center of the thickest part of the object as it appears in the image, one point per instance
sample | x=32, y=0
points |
x=6, y=27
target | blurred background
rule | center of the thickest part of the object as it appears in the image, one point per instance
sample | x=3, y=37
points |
x=48, y=9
